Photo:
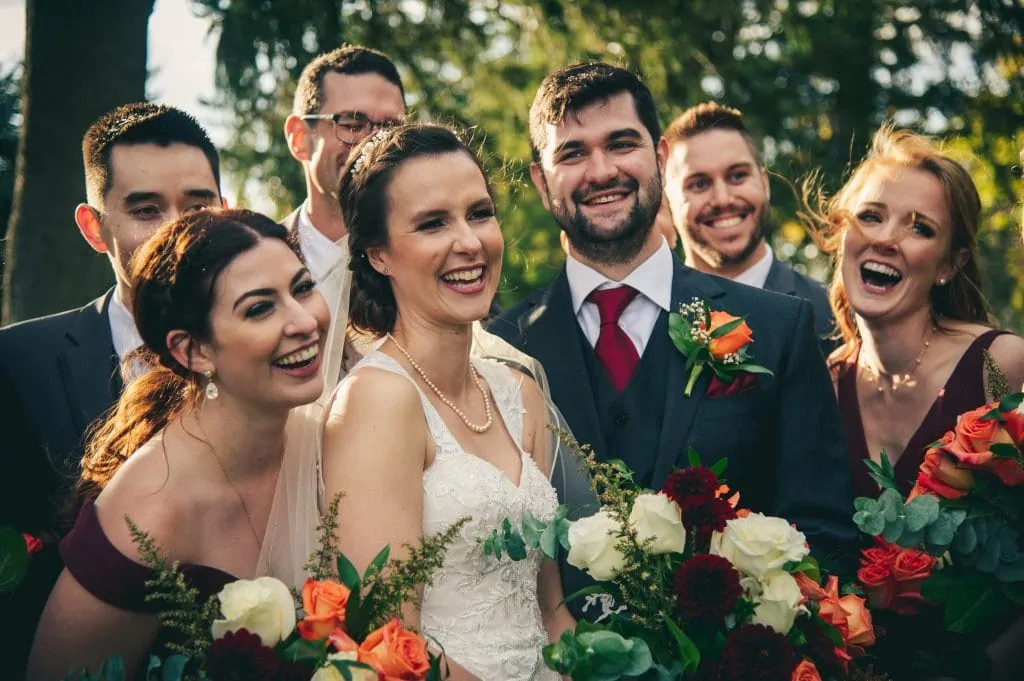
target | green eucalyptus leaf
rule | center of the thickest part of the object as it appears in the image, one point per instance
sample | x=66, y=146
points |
x=532, y=529
x=892, y=504
x=893, y=530
x=512, y=541
x=942, y=531
x=871, y=523
x=921, y=512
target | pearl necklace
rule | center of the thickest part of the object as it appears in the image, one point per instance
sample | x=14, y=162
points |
x=444, y=398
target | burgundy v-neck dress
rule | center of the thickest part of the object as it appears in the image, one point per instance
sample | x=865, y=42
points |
x=964, y=391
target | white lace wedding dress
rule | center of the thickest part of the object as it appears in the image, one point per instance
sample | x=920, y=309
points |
x=484, y=611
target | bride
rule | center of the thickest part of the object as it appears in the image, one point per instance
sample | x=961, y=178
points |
x=419, y=435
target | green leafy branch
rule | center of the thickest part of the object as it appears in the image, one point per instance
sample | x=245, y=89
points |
x=536, y=534
x=182, y=610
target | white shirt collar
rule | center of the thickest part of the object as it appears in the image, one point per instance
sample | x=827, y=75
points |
x=321, y=253
x=123, y=331
x=652, y=278
x=757, y=274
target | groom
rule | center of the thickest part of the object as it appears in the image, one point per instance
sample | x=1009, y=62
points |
x=601, y=329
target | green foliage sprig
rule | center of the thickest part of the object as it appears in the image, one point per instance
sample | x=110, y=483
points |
x=182, y=612
x=320, y=563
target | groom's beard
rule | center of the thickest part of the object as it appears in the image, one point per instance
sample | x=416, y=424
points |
x=625, y=240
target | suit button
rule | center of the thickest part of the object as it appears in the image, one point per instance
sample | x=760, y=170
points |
x=622, y=418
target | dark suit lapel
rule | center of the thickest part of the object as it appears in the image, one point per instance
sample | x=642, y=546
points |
x=88, y=366
x=550, y=334
x=780, y=279
x=679, y=409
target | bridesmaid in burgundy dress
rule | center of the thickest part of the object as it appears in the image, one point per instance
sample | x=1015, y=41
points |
x=233, y=328
x=918, y=344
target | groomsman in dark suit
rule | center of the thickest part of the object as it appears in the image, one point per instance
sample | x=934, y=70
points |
x=601, y=329
x=342, y=96
x=144, y=165
x=717, y=188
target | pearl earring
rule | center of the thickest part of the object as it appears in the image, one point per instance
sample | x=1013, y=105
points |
x=211, y=388
x=942, y=281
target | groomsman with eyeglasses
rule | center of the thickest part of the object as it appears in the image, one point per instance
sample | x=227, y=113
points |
x=342, y=97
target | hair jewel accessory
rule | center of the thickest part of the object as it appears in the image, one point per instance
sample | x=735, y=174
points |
x=367, y=149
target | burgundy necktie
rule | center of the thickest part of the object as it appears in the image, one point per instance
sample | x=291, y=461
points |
x=617, y=353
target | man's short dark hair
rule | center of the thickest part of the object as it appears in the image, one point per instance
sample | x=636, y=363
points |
x=138, y=123
x=348, y=59
x=568, y=91
x=710, y=116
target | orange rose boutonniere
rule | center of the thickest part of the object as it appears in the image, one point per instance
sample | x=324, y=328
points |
x=716, y=340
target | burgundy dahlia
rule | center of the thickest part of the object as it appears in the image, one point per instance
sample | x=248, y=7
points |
x=696, y=481
x=706, y=514
x=755, y=652
x=241, y=656
x=707, y=588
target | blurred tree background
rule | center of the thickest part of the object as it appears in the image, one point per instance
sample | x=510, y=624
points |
x=813, y=78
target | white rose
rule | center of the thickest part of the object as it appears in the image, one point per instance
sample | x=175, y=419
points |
x=778, y=602
x=759, y=543
x=592, y=543
x=655, y=516
x=330, y=673
x=264, y=606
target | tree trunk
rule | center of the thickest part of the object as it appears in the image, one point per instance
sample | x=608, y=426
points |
x=82, y=58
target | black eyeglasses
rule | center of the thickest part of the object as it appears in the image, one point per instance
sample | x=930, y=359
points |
x=352, y=126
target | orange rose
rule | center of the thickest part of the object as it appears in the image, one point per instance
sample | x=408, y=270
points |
x=1014, y=426
x=858, y=620
x=941, y=476
x=878, y=584
x=806, y=671
x=731, y=342
x=324, y=602
x=974, y=437
x=811, y=590
x=397, y=654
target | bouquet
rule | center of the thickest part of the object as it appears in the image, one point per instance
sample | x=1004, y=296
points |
x=955, y=541
x=705, y=590
x=346, y=626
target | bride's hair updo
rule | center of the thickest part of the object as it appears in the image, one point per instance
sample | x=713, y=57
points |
x=173, y=277
x=363, y=195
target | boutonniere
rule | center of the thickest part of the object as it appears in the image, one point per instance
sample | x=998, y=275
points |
x=713, y=339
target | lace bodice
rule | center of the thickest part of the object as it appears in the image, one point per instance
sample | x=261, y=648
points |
x=484, y=611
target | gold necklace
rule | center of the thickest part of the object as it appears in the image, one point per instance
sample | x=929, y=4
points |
x=245, y=507
x=444, y=398
x=897, y=380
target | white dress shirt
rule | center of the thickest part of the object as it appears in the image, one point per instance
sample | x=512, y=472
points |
x=652, y=280
x=124, y=334
x=321, y=253
x=757, y=274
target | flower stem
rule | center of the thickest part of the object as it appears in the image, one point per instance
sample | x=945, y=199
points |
x=694, y=375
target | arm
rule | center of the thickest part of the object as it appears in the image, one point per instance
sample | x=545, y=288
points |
x=813, y=488
x=538, y=440
x=78, y=630
x=1008, y=352
x=376, y=445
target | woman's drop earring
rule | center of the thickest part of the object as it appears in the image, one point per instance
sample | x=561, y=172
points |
x=384, y=270
x=211, y=388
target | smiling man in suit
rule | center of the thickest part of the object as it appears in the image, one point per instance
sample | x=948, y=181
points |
x=601, y=329
x=717, y=187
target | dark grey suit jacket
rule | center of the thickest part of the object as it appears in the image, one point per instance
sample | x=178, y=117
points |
x=784, y=279
x=784, y=440
x=62, y=372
